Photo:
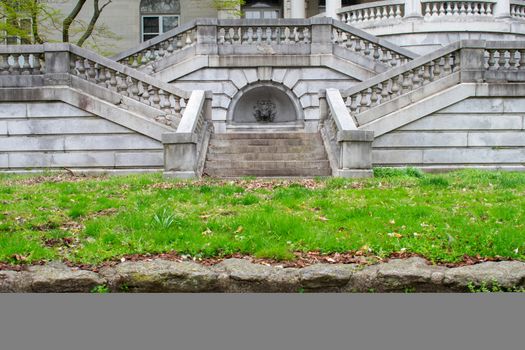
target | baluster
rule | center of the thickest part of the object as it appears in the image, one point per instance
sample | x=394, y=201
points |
x=4, y=64
x=449, y=10
x=367, y=49
x=250, y=35
x=274, y=35
x=456, y=9
x=99, y=75
x=475, y=9
x=398, y=11
x=384, y=56
x=81, y=68
x=177, y=108
x=385, y=13
x=385, y=95
x=391, y=13
x=91, y=72
x=482, y=11
x=353, y=105
x=307, y=36
x=364, y=101
x=376, y=52
x=437, y=69
x=447, y=68
x=489, y=9
x=245, y=36
x=301, y=34
x=512, y=60
x=15, y=68
x=189, y=40
x=492, y=60
x=426, y=74
x=134, y=88
x=357, y=47
x=122, y=87
x=462, y=10
x=283, y=36
x=407, y=83
x=146, y=95
x=522, y=60
x=502, y=62
x=442, y=9
x=396, y=85
x=359, y=15
x=236, y=36
x=112, y=80
x=269, y=35
x=374, y=98
x=435, y=11
x=165, y=104
x=26, y=67
x=469, y=9
x=155, y=100
x=427, y=10
x=416, y=80
x=227, y=37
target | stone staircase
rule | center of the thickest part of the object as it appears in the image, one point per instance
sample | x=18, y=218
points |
x=267, y=155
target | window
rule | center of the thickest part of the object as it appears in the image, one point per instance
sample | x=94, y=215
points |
x=158, y=17
x=23, y=24
x=262, y=10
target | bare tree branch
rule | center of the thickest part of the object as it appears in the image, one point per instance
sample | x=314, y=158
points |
x=69, y=20
x=91, y=26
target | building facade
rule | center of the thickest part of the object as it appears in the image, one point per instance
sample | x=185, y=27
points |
x=135, y=21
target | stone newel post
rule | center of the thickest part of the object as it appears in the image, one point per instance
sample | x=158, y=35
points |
x=57, y=58
x=502, y=8
x=332, y=6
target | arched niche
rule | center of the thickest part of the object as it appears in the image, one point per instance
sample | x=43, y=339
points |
x=265, y=104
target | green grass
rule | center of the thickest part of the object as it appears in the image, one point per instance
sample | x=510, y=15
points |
x=442, y=217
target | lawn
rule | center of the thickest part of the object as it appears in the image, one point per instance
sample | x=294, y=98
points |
x=91, y=220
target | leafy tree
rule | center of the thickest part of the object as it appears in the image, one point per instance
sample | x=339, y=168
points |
x=232, y=6
x=34, y=21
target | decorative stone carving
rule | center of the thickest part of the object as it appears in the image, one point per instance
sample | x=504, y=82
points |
x=265, y=111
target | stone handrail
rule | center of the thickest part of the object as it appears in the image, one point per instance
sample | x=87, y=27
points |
x=185, y=150
x=252, y=37
x=375, y=11
x=367, y=45
x=130, y=83
x=66, y=64
x=517, y=9
x=22, y=60
x=475, y=61
x=159, y=47
x=402, y=80
x=440, y=8
x=349, y=149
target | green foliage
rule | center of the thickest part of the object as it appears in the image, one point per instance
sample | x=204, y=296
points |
x=442, y=217
x=398, y=172
x=493, y=287
x=103, y=289
x=231, y=6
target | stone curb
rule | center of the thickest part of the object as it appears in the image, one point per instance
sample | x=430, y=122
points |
x=242, y=276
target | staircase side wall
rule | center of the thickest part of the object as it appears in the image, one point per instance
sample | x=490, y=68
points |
x=56, y=135
x=477, y=132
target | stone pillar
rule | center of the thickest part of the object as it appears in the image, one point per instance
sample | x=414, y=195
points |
x=332, y=6
x=472, y=56
x=502, y=8
x=57, y=64
x=298, y=9
x=413, y=8
x=356, y=153
x=180, y=155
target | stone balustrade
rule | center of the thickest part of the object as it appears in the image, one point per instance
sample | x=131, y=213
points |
x=22, y=60
x=65, y=64
x=476, y=60
x=517, y=9
x=397, y=82
x=246, y=34
x=349, y=39
x=440, y=8
x=376, y=11
x=260, y=37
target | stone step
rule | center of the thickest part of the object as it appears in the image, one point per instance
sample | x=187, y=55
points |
x=246, y=164
x=270, y=156
x=283, y=143
x=268, y=172
x=279, y=135
x=235, y=149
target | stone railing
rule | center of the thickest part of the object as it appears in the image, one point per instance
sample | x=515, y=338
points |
x=360, y=43
x=464, y=61
x=185, y=150
x=402, y=80
x=517, y=9
x=22, y=60
x=257, y=32
x=160, y=47
x=440, y=8
x=349, y=149
x=130, y=83
x=376, y=11
x=260, y=37
x=381, y=11
x=65, y=64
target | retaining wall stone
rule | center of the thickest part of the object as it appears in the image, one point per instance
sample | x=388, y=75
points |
x=242, y=276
